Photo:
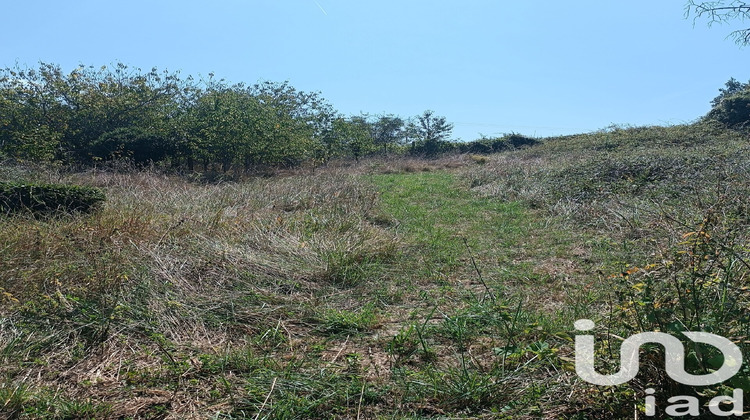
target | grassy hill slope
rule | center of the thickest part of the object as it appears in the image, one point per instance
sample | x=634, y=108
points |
x=388, y=289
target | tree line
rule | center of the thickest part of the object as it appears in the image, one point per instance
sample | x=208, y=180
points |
x=93, y=115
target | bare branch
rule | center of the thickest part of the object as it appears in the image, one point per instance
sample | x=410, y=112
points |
x=722, y=12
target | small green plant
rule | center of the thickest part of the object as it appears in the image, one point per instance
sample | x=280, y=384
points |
x=404, y=343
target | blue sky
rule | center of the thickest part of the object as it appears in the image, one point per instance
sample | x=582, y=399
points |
x=537, y=68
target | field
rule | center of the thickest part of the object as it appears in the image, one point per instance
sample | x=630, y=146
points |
x=391, y=288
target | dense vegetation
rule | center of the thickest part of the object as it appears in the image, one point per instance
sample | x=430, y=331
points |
x=92, y=116
x=95, y=116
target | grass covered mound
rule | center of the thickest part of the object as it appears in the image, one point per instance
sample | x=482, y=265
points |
x=48, y=198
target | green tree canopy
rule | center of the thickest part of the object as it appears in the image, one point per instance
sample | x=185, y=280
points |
x=96, y=114
x=731, y=87
x=62, y=116
x=432, y=132
x=388, y=130
x=732, y=106
x=353, y=135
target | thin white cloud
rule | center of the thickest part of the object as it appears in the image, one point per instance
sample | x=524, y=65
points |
x=321, y=8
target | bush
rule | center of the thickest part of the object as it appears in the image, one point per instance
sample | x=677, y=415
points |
x=139, y=145
x=519, y=140
x=48, y=198
x=732, y=111
x=432, y=148
x=487, y=145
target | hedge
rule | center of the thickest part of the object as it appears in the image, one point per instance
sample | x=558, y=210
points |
x=48, y=198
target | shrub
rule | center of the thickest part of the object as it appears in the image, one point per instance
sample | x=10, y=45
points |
x=487, y=145
x=137, y=144
x=432, y=148
x=519, y=140
x=48, y=198
x=732, y=111
x=481, y=146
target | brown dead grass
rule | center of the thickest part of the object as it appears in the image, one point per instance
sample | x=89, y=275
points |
x=174, y=270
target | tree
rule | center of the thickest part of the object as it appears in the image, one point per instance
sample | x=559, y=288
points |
x=353, y=134
x=93, y=114
x=50, y=114
x=267, y=124
x=388, y=129
x=293, y=124
x=722, y=11
x=733, y=87
x=225, y=120
x=109, y=99
x=432, y=132
x=31, y=122
x=431, y=128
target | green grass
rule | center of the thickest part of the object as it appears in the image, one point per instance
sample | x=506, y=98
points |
x=471, y=260
x=447, y=224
